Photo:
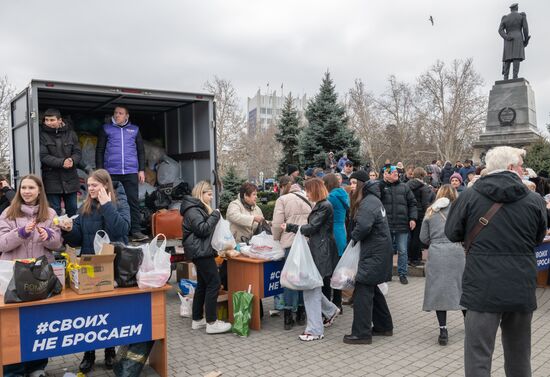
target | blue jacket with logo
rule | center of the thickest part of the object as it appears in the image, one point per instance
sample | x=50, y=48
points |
x=120, y=149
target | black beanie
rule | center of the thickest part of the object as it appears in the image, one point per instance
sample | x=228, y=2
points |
x=360, y=175
x=291, y=169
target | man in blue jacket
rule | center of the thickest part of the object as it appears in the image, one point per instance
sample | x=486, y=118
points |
x=120, y=151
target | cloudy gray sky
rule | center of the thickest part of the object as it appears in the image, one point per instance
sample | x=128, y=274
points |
x=178, y=45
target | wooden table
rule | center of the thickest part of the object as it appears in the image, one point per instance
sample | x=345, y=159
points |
x=263, y=277
x=69, y=323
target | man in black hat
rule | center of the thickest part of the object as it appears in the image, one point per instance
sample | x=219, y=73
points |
x=346, y=172
x=293, y=171
x=515, y=32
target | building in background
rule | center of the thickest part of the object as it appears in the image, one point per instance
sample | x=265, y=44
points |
x=265, y=109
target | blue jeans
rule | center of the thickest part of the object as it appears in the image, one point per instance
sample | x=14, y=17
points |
x=400, y=241
x=68, y=199
x=21, y=369
x=292, y=298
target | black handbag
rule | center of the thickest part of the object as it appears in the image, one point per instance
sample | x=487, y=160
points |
x=157, y=200
x=32, y=281
x=127, y=262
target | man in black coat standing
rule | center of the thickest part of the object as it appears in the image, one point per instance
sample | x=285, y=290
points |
x=59, y=154
x=400, y=206
x=500, y=276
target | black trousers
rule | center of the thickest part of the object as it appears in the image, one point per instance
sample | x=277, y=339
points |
x=334, y=295
x=131, y=183
x=370, y=310
x=208, y=285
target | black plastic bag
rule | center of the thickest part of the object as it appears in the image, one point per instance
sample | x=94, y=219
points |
x=263, y=227
x=131, y=358
x=32, y=281
x=145, y=214
x=127, y=262
x=157, y=200
x=180, y=190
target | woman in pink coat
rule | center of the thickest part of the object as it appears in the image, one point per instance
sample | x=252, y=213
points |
x=26, y=231
x=26, y=226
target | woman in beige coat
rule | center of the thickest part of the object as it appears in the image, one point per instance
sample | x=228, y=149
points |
x=291, y=207
x=243, y=214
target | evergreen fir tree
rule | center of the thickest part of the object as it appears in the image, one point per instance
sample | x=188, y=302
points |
x=231, y=185
x=287, y=136
x=327, y=129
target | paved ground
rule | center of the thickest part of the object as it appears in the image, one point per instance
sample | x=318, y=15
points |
x=412, y=351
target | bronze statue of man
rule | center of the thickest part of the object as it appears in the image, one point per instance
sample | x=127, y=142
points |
x=515, y=32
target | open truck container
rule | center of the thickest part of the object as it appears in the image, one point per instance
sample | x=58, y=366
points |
x=184, y=122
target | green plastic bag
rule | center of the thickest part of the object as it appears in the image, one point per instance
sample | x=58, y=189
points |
x=242, y=312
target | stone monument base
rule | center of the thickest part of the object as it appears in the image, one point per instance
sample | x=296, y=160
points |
x=511, y=118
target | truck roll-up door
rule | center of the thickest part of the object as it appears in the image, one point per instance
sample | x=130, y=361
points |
x=21, y=137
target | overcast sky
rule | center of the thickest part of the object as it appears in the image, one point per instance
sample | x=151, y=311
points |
x=178, y=45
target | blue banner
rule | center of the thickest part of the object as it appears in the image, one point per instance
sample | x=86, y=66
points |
x=77, y=326
x=542, y=253
x=272, y=276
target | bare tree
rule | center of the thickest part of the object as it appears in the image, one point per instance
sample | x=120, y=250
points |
x=262, y=152
x=453, y=107
x=230, y=123
x=7, y=91
x=364, y=119
x=398, y=114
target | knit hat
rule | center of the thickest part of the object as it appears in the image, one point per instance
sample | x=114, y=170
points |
x=457, y=176
x=309, y=172
x=291, y=169
x=360, y=175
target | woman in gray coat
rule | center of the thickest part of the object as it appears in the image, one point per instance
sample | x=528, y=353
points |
x=445, y=263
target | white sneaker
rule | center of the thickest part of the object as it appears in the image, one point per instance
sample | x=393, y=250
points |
x=218, y=327
x=195, y=325
x=38, y=373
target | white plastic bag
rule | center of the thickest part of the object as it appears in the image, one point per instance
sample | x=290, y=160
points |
x=154, y=271
x=88, y=152
x=99, y=240
x=300, y=272
x=273, y=254
x=384, y=288
x=6, y=274
x=223, y=239
x=263, y=246
x=168, y=170
x=343, y=276
x=186, y=306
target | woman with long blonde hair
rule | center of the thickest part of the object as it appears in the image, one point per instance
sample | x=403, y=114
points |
x=445, y=262
x=107, y=209
x=199, y=223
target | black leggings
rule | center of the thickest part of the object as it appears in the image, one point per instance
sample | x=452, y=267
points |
x=442, y=317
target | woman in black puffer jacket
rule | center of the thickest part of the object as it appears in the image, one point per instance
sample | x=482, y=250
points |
x=370, y=227
x=199, y=223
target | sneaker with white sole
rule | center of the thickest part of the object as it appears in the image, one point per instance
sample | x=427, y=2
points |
x=218, y=327
x=38, y=373
x=195, y=325
x=328, y=322
x=309, y=337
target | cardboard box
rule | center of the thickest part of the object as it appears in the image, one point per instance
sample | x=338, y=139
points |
x=186, y=270
x=101, y=280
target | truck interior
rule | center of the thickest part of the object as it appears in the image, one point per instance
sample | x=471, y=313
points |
x=177, y=123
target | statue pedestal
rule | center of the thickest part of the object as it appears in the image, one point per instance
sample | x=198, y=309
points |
x=511, y=118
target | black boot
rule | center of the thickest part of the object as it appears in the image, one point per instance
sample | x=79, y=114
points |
x=301, y=316
x=289, y=321
x=443, y=337
x=87, y=362
x=110, y=355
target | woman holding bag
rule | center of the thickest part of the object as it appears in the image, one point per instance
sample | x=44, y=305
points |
x=107, y=209
x=199, y=223
x=26, y=231
x=370, y=227
x=324, y=252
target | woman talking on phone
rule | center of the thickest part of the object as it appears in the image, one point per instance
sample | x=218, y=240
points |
x=107, y=209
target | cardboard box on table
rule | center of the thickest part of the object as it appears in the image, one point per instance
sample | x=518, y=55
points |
x=101, y=280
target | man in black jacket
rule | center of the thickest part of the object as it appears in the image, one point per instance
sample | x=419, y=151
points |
x=59, y=154
x=400, y=206
x=499, y=279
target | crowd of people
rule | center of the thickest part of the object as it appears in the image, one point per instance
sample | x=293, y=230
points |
x=397, y=210
x=490, y=277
